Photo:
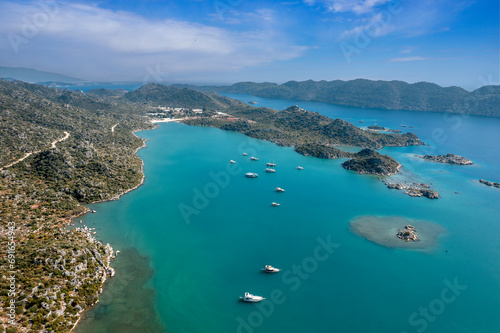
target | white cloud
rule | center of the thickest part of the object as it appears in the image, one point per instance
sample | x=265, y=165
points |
x=409, y=49
x=354, y=6
x=406, y=59
x=97, y=41
x=378, y=25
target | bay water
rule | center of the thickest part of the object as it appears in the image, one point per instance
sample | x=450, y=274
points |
x=195, y=236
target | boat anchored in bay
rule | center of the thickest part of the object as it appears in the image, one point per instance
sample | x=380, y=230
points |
x=270, y=269
x=279, y=189
x=251, y=175
x=251, y=298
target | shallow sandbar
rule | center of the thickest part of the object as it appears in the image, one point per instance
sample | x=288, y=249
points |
x=383, y=230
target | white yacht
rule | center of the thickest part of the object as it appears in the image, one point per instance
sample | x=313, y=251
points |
x=270, y=170
x=232, y=162
x=245, y=154
x=252, y=298
x=271, y=164
x=275, y=204
x=270, y=269
x=279, y=189
x=251, y=175
x=253, y=158
x=300, y=168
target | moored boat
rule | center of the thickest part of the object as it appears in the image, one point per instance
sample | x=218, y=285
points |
x=251, y=175
x=271, y=164
x=270, y=269
x=245, y=154
x=275, y=204
x=279, y=189
x=253, y=158
x=270, y=170
x=252, y=298
x=300, y=168
x=232, y=162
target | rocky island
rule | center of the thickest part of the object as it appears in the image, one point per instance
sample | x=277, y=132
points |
x=408, y=233
x=387, y=231
x=377, y=128
x=448, y=158
x=413, y=189
x=488, y=183
x=368, y=161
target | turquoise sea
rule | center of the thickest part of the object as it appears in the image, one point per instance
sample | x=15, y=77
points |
x=195, y=236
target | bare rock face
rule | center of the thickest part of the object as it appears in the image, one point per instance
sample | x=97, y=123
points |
x=448, y=158
x=414, y=189
x=488, y=183
x=408, y=233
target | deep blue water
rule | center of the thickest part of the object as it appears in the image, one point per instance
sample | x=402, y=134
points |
x=205, y=250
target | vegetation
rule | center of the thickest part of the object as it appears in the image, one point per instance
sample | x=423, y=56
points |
x=79, y=148
x=394, y=95
x=371, y=162
x=59, y=272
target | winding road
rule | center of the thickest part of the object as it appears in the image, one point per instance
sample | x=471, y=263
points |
x=52, y=146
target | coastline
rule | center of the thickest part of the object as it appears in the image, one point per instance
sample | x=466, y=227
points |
x=116, y=197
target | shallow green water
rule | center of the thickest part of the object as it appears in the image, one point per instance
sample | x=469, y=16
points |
x=203, y=262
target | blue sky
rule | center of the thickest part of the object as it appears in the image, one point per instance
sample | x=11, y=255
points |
x=449, y=42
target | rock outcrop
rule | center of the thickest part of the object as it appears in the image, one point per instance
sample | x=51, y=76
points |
x=448, y=158
x=488, y=183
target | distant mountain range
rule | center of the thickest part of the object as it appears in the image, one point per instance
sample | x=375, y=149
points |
x=33, y=75
x=158, y=94
x=393, y=95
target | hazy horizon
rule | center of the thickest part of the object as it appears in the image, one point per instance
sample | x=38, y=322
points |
x=223, y=42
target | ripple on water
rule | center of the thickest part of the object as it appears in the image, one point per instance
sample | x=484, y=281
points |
x=383, y=230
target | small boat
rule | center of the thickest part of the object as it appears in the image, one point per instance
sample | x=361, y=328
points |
x=232, y=162
x=270, y=269
x=271, y=164
x=361, y=121
x=252, y=102
x=279, y=189
x=275, y=204
x=251, y=298
x=403, y=125
x=253, y=158
x=251, y=175
x=245, y=154
x=300, y=168
x=270, y=170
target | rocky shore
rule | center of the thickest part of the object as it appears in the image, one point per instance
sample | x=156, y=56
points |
x=448, y=158
x=413, y=189
x=488, y=183
x=408, y=233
